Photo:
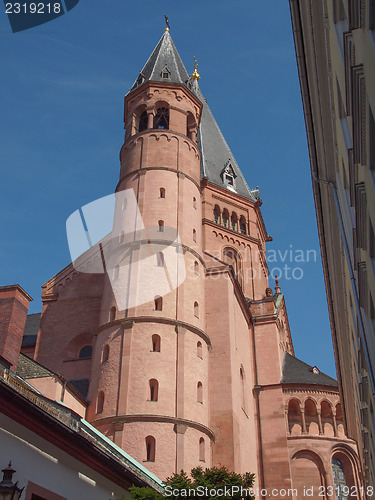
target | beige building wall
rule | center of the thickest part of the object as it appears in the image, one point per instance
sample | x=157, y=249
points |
x=335, y=49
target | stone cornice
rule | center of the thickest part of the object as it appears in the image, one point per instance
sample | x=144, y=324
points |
x=145, y=169
x=157, y=418
x=245, y=237
x=127, y=322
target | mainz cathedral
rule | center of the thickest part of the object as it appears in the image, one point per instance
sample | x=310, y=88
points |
x=169, y=328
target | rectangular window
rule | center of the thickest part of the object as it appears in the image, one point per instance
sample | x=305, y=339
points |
x=371, y=141
x=349, y=60
x=359, y=114
x=361, y=215
x=372, y=17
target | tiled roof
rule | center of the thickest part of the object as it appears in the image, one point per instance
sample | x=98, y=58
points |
x=28, y=368
x=296, y=371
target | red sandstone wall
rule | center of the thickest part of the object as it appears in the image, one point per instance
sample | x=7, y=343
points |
x=14, y=304
x=70, y=315
x=234, y=426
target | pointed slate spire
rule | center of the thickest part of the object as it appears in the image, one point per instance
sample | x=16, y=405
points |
x=218, y=163
x=163, y=65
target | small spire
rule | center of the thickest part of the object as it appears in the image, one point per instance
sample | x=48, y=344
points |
x=277, y=287
x=166, y=23
x=195, y=75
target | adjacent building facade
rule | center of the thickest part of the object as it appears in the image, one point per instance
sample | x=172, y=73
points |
x=335, y=48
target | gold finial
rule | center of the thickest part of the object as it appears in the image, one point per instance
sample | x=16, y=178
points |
x=167, y=23
x=195, y=75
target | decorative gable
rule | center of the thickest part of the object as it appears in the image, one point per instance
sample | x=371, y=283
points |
x=165, y=73
x=228, y=176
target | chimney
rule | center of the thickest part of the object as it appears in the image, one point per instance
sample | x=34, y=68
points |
x=14, y=304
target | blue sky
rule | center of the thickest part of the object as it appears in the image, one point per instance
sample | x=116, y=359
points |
x=62, y=128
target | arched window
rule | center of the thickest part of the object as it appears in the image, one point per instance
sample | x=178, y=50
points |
x=199, y=349
x=105, y=354
x=121, y=237
x=341, y=487
x=85, y=352
x=200, y=392
x=161, y=118
x=196, y=309
x=202, y=454
x=154, y=389
x=112, y=313
x=161, y=226
x=233, y=221
x=158, y=303
x=191, y=127
x=194, y=235
x=294, y=418
x=242, y=224
x=162, y=193
x=100, y=402
x=156, y=343
x=225, y=217
x=143, y=119
x=194, y=202
x=327, y=419
x=196, y=267
x=116, y=272
x=150, y=448
x=217, y=214
x=124, y=204
x=160, y=259
x=311, y=417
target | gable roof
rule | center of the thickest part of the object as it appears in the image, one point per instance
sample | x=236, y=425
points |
x=295, y=371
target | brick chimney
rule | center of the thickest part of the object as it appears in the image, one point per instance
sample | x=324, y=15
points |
x=14, y=304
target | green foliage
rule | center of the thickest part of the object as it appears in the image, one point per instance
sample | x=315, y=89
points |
x=211, y=484
x=144, y=494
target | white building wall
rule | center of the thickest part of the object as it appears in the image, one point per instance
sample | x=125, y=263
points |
x=39, y=461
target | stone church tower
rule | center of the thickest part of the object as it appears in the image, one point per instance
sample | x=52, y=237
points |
x=206, y=373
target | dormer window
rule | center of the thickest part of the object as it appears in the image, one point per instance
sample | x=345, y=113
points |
x=229, y=179
x=228, y=176
x=165, y=73
x=140, y=79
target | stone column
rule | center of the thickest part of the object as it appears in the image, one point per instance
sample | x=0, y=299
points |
x=320, y=422
x=303, y=420
x=334, y=422
x=150, y=118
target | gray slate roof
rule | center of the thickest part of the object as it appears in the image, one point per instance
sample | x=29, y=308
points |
x=32, y=324
x=296, y=371
x=214, y=148
x=81, y=385
x=31, y=330
x=165, y=55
